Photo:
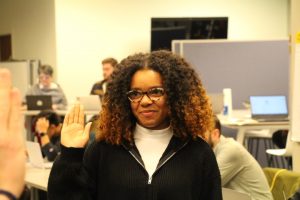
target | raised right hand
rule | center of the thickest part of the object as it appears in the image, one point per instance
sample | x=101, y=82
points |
x=73, y=133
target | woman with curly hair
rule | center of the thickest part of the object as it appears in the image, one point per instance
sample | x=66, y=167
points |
x=149, y=143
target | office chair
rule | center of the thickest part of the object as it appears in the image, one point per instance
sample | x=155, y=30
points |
x=283, y=153
x=253, y=139
x=283, y=183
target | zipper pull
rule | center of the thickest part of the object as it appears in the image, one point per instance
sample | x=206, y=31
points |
x=150, y=180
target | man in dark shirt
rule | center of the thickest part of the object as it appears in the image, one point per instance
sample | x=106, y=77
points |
x=108, y=66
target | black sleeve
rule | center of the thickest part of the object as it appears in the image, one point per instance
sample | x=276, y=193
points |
x=50, y=151
x=70, y=177
x=213, y=188
x=94, y=88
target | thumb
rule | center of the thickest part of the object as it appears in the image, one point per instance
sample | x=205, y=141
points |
x=86, y=132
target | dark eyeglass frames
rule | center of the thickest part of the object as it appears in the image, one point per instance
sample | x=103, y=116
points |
x=154, y=94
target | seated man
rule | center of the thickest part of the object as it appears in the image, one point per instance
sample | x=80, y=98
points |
x=108, y=66
x=47, y=129
x=239, y=170
x=46, y=86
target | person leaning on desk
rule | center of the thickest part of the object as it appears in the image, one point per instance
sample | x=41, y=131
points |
x=239, y=170
x=47, y=128
x=149, y=144
x=46, y=86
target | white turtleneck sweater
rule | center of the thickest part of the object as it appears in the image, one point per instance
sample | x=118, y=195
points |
x=151, y=145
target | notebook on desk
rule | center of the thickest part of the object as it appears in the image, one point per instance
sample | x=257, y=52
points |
x=35, y=155
x=39, y=102
x=90, y=102
x=269, y=108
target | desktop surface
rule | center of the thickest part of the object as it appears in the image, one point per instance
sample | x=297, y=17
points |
x=37, y=177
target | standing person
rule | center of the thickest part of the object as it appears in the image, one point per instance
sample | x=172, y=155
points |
x=48, y=128
x=46, y=86
x=108, y=66
x=239, y=170
x=12, y=150
x=149, y=143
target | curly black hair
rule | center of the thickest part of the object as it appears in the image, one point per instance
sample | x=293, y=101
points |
x=190, y=110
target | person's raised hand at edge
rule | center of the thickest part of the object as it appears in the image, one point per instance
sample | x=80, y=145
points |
x=74, y=133
x=12, y=149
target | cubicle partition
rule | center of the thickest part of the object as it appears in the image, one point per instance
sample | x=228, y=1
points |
x=24, y=73
x=247, y=67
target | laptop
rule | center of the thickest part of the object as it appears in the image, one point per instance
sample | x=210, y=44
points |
x=269, y=108
x=35, y=155
x=39, y=102
x=90, y=102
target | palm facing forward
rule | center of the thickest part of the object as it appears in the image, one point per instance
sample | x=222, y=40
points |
x=73, y=133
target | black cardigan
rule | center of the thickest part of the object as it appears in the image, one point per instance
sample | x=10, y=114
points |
x=187, y=171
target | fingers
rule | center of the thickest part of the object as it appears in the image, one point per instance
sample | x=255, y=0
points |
x=15, y=113
x=81, y=116
x=76, y=112
x=66, y=120
x=86, y=133
x=71, y=115
x=5, y=89
x=75, y=115
x=42, y=125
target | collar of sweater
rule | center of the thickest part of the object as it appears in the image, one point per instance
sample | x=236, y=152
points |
x=142, y=132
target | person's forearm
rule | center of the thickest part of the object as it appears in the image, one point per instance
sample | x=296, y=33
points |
x=45, y=140
x=50, y=151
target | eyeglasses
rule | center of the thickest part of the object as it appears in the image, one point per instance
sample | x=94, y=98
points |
x=154, y=94
x=44, y=77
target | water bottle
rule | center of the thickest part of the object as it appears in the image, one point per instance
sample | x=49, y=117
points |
x=227, y=95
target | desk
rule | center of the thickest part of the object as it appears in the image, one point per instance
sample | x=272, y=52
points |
x=241, y=120
x=37, y=177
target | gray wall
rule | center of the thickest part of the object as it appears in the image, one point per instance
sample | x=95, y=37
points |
x=248, y=67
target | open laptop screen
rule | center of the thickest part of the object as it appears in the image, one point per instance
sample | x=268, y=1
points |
x=39, y=102
x=91, y=102
x=35, y=155
x=268, y=107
